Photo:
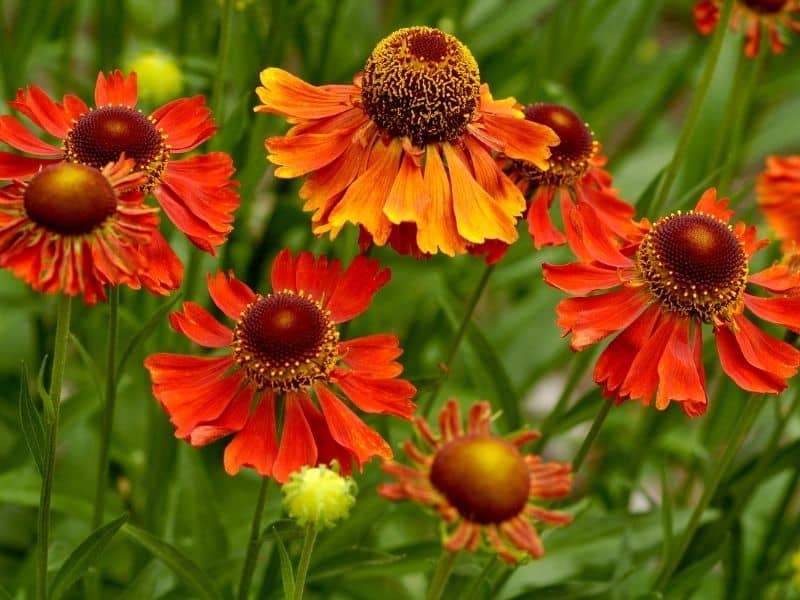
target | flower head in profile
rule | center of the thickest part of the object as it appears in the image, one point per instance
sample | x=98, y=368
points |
x=74, y=229
x=777, y=192
x=318, y=496
x=687, y=270
x=576, y=179
x=283, y=348
x=774, y=16
x=405, y=151
x=481, y=484
x=196, y=193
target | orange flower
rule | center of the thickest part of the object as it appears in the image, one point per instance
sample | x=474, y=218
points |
x=575, y=172
x=481, y=484
x=772, y=15
x=685, y=270
x=196, y=193
x=283, y=345
x=405, y=152
x=75, y=229
x=777, y=191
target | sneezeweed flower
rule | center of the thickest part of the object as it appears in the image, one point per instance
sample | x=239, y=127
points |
x=481, y=484
x=777, y=192
x=757, y=15
x=75, y=229
x=159, y=77
x=196, y=193
x=577, y=178
x=686, y=270
x=318, y=496
x=284, y=345
x=405, y=152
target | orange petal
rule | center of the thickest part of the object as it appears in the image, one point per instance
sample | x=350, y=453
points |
x=677, y=372
x=521, y=139
x=737, y=367
x=407, y=200
x=285, y=94
x=440, y=231
x=580, y=278
x=256, y=445
x=297, y=448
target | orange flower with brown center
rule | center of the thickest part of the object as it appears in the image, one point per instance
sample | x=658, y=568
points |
x=687, y=270
x=481, y=484
x=405, y=152
x=757, y=15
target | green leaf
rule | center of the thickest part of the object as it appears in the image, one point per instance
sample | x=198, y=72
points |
x=692, y=576
x=287, y=573
x=84, y=556
x=185, y=568
x=140, y=336
x=31, y=422
x=87, y=359
x=666, y=515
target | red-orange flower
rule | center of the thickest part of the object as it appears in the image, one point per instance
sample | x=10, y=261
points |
x=778, y=190
x=481, y=484
x=284, y=345
x=405, y=152
x=196, y=193
x=686, y=269
x=772, y=15
x=586, y=199
x=75, y=229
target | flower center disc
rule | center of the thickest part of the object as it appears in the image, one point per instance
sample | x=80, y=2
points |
x=421, y=83
x=70, y=199
x=765, y=7
x=570, y=160
x=102, y=135
x=285, y=341
x=483, y=477
x=695, y=265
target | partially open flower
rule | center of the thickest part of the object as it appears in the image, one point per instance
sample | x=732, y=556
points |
x=405, y=152
x=778, y=190
x=196, y=193
x=772, y=15
x=284, y=345
x=318, y=496
x=75, y=229
x=481, y=484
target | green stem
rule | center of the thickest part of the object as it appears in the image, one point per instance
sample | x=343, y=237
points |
x=742, y=427
x=254, y=545
x=475, y=587
x=305, y=560
x=52, y=402
x=666, y=181
x=217, y=94
x=442, y=573
x=192, y=273
x=589, y=439
x=462, y=329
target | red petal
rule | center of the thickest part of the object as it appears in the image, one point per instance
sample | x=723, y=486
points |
x=709, y=205
x=164, y=271
x=587, y=236
x=200, y=327
x=745, y=375
x=229, y=294
x=117, y=89
x=232, y=419
x=13, y=166
x=540, y=225
x=764, y=351
x=783, y=311
x=580, y=278
x=385, y=396
x=39, y=108
x=777, y=278
x=16, y=135
x=297, y=448
x=328, y=449
x=356, y=287
x=316, y=277
x=373, y=356
x=283, y=274
x=256, y=445
x=186, y=121
x=643, y=376
x=677, y=372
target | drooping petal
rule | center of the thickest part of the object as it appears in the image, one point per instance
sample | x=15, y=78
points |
x=384, y=396
x=35, y=104
x=521, y=139
x=407, y=198
x=764, y=351
x=540, y=226
x=678, y=379
x=328, y=449
x=298, y=155
x=783, y=311
x=440, y=231
x=232, y=419
x=256, y=444
x=285, y=94
x=746, y=376
x=643, y=376
x=297, y=448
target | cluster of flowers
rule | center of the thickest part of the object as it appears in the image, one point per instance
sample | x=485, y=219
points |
x=418, y=154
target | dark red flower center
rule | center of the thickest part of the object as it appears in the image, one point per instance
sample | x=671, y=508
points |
x=421, y=83
x=695, y=264
x=483, y=476
x=285, y=341
x=570, y=160
x=70, y=199
x=765, y=7
x=102, y=135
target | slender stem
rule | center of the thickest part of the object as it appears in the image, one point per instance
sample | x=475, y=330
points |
x=666, y=181
x=254, y=545
x=51, y=432
x=192, y=273
x=462, y=329
x=742, y=427
x=442, y=573
x=589, y=439
x=475, y=587
x=217, y=95
x=305, y=560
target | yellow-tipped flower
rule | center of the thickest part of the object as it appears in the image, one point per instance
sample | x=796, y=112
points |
x=318, y=496
x=160, y=78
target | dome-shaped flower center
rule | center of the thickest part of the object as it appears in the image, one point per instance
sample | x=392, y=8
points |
x=765, y=7
x=695, y=265
x=569, y=160
x=421, y=83
x=285, y=341
x=70, y=199
x=102, y=135
x=483, y=476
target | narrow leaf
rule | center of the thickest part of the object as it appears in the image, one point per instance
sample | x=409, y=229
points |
x=287, y=574
x=84, y=556
x=185, y=568
x=31, y=422
x=140, y=336
x=666, y=514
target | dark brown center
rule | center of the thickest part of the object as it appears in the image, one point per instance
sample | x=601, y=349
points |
x=69, y=198
x=483, y=476
x=765, y=7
